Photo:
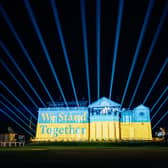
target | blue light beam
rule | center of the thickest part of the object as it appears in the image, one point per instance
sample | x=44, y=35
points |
x=17, y=81
x=18, y=100
x=140, y=40
x=160, y=120
x=16, y=109
x=24, y=51
x=16, y=122
x=84, y=33
x=118, y=25
x=98, y=36
x=155, y=81
x=58, y=25
x=159, y=108
x=34, y=23
x=162, y=19
x=21, y=72
x=165, y=90
x=16, y=115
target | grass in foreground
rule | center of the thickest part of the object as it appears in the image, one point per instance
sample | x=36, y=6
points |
x=85, y=154
x=86, y=145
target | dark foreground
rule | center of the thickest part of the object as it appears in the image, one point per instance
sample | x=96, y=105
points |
x=84, y=156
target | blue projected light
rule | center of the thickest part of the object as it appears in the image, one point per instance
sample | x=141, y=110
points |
x=16, y=122
x=156, y=79
x=9, y=109
x=98, y=27
x=21, y=72
x=118, y=25
x=159, y=108
x=18, y=100
x=58, y=25
x=19, y=41
x=160, y=120
x=84, y=33
x=60, y=116
x=141, y=37
x=16, y=109
x=162, y=19
x=165, y=90
x=17, y=81
x=25, y=52
x=34, y=23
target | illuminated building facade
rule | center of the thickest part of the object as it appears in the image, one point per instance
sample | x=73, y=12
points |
x=103, y=120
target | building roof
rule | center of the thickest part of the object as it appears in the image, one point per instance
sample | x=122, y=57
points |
x=141, y=106
x=104, y=102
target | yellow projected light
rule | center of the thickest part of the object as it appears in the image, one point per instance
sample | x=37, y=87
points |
x=62, y=125
x=104, y=131
x=136, y=131
x=62, y=132
x=103, y=120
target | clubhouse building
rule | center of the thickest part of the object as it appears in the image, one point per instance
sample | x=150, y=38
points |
x=103, y=120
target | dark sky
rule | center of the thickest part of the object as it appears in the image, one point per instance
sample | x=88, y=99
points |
x=70, y=17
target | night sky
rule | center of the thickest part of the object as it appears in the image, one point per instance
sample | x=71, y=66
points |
x=70, y=18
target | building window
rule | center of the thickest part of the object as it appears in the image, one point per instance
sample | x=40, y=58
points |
x=141, y=113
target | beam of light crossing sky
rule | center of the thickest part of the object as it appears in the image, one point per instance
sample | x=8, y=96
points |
x=16, y=109
x=155, y=81
x=118, y=25
x=21, y=72
x=17, y=81
x=84, y=33
x=162, y=19
x=25, y=51
x=58, y=25
x=160, y=120
x=98, y=36
x=16, y=122
x=8, y=109
x=159, y=108
x=34, y=23
x=140, y=40
x=165, y=90
x=18, y=100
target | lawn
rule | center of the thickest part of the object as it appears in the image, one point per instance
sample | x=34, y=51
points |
x=85, y=154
